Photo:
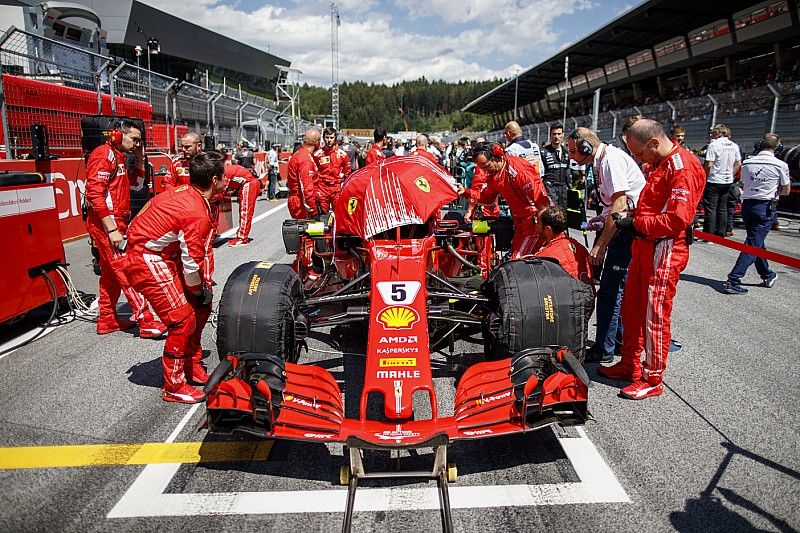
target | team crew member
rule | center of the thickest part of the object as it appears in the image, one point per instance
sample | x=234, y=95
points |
x=422, y=149
x=108, y=195
x=555, y=162
x=666, y=207
x=191, y=145
x=723, y=160
x=764, y=178
x=519, y=183
x=618, y=181
x=479, y=179
x=519, y=146
x=558, y=245
x=169, y=261
x=246, y=184
x=333, y=166
x=375, y=154
x=301, y=178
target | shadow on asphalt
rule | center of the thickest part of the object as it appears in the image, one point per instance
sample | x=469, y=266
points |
x=707, y=512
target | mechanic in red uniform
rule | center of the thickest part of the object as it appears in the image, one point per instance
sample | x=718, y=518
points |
x=375, y=154
x=169, y=261
x=333, y=166
x=301, y=178
x=108, y=196
x=246, y=184
x=666, y=207
x=558, y=245
x=191, y=145
x=422, y=150
x=519, y=183
x=479, y=179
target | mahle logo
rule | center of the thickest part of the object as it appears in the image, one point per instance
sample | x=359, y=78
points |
x=399, y=317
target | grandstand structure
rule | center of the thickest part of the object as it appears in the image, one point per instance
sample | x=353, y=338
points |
x=187, y=77
x=680, y=61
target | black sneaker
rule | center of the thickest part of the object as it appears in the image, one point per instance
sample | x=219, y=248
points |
x=596, y=356
x=733, y=288
x=770, y=281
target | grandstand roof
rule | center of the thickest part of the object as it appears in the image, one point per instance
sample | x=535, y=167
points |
x=644, y=26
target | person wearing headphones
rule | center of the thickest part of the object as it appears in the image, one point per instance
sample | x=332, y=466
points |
x=618, y=182
x=191, y=145
x=764, y=178
x=170, y=262
x=519, y=183
x=108, y=197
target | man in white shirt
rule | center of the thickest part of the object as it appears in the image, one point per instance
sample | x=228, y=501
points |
x=764, y=178
x=723, y=160
x=618, y=181
x=519, y=146
x=272, y=161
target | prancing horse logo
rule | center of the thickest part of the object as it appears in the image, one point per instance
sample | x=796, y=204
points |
x=352, y=204
x=422, y=184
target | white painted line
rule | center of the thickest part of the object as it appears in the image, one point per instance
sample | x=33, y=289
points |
x=182, y=423
x=231, y=232
x=22, y=339
x=598, y=484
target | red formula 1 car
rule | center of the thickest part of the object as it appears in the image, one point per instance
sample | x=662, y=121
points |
x=390, y=264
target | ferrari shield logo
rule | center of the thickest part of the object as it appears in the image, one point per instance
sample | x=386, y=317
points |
x=352, y=205
x=422, y=184
x=399, y=317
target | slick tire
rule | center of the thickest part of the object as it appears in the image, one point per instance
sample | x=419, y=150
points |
x=535, y=303
x=258, y=311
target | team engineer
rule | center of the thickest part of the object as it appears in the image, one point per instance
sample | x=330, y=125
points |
x=191, y=145
x=519, y=183
x=557, y=244
x=764, y=178
x=666, y=207
x=301, y=178
x=169, y=261
x=108, y=196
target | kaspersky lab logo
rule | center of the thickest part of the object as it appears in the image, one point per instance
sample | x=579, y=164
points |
x=398, y=317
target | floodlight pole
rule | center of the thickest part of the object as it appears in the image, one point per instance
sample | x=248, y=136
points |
x=566, y=88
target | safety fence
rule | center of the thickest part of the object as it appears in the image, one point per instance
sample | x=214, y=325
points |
x=53, y=84
x=749, y=113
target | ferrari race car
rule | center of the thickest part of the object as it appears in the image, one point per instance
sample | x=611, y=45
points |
x=408, y=276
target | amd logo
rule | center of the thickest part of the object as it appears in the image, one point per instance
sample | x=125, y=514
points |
x=402, y=339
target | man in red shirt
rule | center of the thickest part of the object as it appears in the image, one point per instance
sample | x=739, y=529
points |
x=191, y=145
x=558, y=245
x=243, y=181
x=301, y=178
x=519, y=183
x=422, y=150
x=375, y=154
x=333, y=166
x=666, y=207
x=108, y=195
x=169, y=262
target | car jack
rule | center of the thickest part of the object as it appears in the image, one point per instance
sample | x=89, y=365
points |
x=442, y=472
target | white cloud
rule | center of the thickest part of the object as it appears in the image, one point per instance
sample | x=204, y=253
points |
x=471, y=40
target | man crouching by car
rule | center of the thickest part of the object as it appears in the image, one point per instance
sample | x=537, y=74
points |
x=169, y=261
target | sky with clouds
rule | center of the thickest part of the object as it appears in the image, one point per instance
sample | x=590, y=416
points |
x=392, y=41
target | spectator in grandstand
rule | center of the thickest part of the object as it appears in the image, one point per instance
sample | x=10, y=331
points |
x=619, y=141
x=555, y=162
x=351, y=150
x=665, y=209
x=557, y=244
x=519, y=146
x=617, y=182
x=723, y=160
x=333, y=166
x=375, y=154
x=191, y=145
x=245, y=184
x=522, y=188
x=301, y=178
x=244, y=155
x=272, y=162
x=108, y=198
x=422, y=149
x=169, y=262
x=764, y=178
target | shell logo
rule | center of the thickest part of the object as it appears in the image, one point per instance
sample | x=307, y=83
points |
x=399, y=317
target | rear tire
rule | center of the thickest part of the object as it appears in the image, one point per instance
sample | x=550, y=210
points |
x=258, y=311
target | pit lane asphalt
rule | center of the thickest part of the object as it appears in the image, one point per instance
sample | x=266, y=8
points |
x=717, y=452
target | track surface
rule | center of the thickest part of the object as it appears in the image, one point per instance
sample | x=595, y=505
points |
x=717, y=452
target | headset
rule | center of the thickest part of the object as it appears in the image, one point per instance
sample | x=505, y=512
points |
x=115, y=135
x=583, y=146
x=491, y=150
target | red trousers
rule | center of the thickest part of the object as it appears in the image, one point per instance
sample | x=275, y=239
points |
x=113, y=279
x=248, y=194
x=647, y=303
x=526, y=238
x=327, y=195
